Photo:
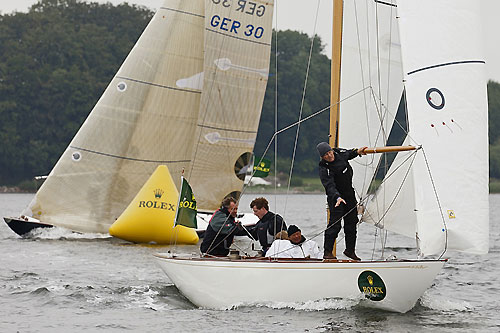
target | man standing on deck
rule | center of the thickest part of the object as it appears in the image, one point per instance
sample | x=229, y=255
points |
x=336, y=176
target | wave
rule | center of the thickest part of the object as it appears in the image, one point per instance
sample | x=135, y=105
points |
x=64, y=234
x=441, y=303
x=318, y=305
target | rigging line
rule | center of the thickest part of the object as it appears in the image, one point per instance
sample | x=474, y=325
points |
x=388, y=177
x=377, y=35
x=182, y=12
x=326, y=108
x=276, y=112
x=398, y=191
x=374, y=243
x=384, y=241
x=368, y=42
x=388, y=112
x=389, y=57
x=301, y=107
x=322, y=230
x=362, y=81
x=239, y=248
x=218, y=232
x=439, y=205
x=275, y=135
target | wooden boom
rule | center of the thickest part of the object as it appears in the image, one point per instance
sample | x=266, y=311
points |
x=388, y=149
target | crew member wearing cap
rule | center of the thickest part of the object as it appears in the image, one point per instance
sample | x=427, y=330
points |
x=305, y=248
x=336, y=176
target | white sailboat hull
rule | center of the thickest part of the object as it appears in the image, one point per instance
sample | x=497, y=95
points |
x=223, y=283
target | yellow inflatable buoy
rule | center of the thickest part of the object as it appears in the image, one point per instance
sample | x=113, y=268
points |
x=149, y=218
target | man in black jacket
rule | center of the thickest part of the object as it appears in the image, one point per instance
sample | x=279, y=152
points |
x=221, y=229
x=336, y=176
x=269, y=223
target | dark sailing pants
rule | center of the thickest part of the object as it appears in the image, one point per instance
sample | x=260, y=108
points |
x=334, y=223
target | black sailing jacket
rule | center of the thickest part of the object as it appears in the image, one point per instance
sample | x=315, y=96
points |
x=268, y=225
x=336, y=176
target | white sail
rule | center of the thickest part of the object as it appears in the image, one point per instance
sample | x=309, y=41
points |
x=371, y=64
x=432, y=195
x=193, y=59
x=392, y=207
x=447, y=113
x=237, y=47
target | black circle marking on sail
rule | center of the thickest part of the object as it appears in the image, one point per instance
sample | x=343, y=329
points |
x=242, y=164
x=431, y=100
x=76, y=156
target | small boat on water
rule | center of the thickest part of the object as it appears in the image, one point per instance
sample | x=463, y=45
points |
x=405, y=72
x=175, y=101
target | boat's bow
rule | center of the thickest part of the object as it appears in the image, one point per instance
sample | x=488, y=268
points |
x=24, y=225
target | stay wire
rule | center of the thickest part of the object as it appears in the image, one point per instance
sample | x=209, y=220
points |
x=317, y=113
x=276, y=53
x=439, y=205
x=290, y=174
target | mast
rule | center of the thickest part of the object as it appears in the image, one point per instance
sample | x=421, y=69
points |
x=338, y=17
x=338, y=11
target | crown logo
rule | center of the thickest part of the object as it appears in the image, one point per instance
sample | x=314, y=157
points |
x=158, y=193
x=370, y=280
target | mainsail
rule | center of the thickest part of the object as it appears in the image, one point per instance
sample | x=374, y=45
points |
x=153, y=112
x=438, y=194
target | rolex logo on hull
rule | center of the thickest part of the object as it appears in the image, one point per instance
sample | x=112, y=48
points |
x=372, y=285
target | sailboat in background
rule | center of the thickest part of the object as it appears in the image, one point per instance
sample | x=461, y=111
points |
x=189, y=96
x=412, y=74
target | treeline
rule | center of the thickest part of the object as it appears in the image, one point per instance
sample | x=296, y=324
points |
x=57, y=59
x=55, y=62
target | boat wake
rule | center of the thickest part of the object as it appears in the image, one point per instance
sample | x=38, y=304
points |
x=64, y=234
x=318, y=305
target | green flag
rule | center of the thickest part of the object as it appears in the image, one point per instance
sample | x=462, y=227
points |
x=261, y=167
x=186, y=209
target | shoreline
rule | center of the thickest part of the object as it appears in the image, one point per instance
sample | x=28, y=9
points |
x=14, y=189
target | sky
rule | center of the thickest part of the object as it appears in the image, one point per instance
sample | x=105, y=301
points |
x=299, y=15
